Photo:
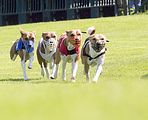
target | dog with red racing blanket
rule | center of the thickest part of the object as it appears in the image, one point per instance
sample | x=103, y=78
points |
x=68, y=51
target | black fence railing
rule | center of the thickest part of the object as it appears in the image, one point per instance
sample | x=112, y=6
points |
x=26, y=11
x=12, y=6
x=8, y=6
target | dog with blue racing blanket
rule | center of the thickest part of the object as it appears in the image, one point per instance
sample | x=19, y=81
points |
x=24, y=47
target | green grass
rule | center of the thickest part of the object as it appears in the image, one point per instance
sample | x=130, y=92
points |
x=120, y=94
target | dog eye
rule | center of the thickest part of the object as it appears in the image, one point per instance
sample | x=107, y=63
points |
x=53, y=36
x=72, y=35
x=94, y=38
x=102, y=38
x=26, y=39
x=32, y=38
x=51, y=41
x=47, y=37
x=78, y=34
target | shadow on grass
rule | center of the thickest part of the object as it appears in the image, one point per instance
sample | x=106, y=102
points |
x=145, y=77
x=38, y=81
x=17, y=79
x=32, y=81
x=47, y=81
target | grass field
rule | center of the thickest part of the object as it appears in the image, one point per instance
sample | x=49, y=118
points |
x=120, y=94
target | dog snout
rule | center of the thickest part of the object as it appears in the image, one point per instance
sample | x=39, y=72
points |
x=30, y=44
x=51, y=43
x=77, y=39
x=98, y=45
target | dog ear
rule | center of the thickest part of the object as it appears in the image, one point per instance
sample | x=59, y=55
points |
x=78, y=31
x=22, y=31
x=53, y=34
x=67, y=32
x=44, y=33
x=34, y=32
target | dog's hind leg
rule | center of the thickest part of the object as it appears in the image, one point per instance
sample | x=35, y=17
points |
x=87, y=73
x=22, y=55
x=64, y=67
x=74, y=70
x=42, y=70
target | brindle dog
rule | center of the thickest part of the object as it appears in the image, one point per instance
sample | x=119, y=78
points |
x=46, y=52
x=93, y=54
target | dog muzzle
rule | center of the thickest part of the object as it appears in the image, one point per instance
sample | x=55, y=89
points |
x=76, y=42
x=50, y=45
x=98, y=47
x=29, y=46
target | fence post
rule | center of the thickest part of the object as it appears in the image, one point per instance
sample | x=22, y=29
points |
x=1, y=20
x=46, y=11
x=115, y=7
x=94, y=10
x=46, y=16
x=20, y=4
x=125, y=7
x=70, y=11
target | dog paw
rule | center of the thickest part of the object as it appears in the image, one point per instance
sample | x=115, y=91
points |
x=29, y=67
x=52, y=77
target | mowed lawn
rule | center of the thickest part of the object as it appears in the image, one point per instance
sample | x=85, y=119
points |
x=120, y=94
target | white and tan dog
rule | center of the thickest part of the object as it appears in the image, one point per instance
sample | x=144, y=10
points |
x=46, y=52
x=69, y=51
x=93, y=54
x=24, y=47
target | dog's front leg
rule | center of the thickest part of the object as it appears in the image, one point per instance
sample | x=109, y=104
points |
x=97, y=74
x=24, y=69
x=74, y=70
x=55, y=71
x=99, y=68
x=46, y=70
x=31, y=58
x=23, y=64
x=63, y=67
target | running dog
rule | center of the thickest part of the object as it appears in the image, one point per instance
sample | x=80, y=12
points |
x=46, y=52
x=68, y=50
x=93, y=54
x=24, y=47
